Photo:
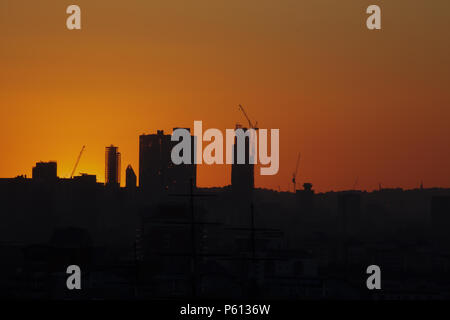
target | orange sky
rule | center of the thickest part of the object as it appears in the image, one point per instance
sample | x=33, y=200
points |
x=372, y=105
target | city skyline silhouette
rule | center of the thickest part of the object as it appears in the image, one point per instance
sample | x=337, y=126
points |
x=170, y=239
x=88, y=181
x=78, y=171
x=355, y=103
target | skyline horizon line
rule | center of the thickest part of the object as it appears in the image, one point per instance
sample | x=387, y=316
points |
x=381, y=187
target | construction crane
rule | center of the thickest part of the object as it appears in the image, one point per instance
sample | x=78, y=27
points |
x=294, y=175
x=250, y=124
x=76, y=163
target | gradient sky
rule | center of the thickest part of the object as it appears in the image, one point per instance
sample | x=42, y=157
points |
x=371, y=106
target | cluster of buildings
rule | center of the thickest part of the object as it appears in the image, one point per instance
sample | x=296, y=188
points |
x=157, y=173
x=168, y=238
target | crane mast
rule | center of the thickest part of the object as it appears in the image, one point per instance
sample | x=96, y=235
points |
x=76, y=163
x=250, y=124
x=294, y=175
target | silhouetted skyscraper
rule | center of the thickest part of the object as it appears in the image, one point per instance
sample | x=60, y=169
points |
x=130, y=176
x=156, y=170
x=112, y=166
x=45, y=172
x=242, y=175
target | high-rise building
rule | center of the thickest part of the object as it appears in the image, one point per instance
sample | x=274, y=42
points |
x=112, y=166
x=45, y=171
x=130, y=176
x=156, y=170
x=242, y=174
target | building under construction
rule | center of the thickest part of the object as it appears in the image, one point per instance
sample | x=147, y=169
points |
x=242, y=172
x=112, y=166
x=157, y=172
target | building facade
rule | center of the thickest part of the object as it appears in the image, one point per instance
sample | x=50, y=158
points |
x=157, y=172
x=112, y=165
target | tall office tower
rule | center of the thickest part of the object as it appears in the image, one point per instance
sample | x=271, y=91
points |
x=45, y=172
x=130, y=176
x=112, y=166
x=156, y=170
x=242, y=174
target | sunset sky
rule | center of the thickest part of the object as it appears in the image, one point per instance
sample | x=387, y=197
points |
x=371, y=106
